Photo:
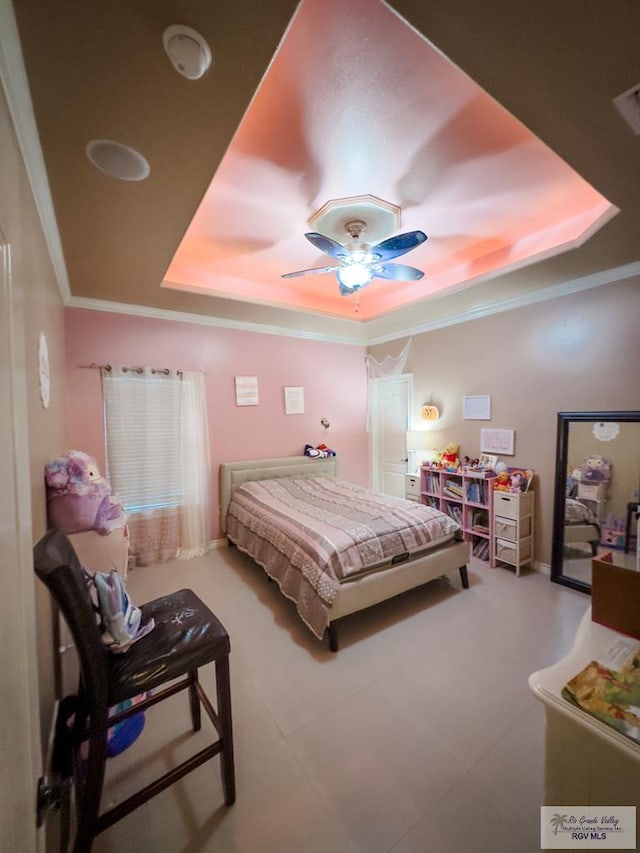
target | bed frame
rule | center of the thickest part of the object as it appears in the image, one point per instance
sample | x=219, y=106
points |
x=587, y=533
x=359, y=593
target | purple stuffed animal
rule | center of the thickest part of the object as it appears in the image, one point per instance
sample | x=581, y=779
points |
x=78, y=497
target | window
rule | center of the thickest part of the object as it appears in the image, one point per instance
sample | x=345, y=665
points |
x=157, y=451
x=142, y=430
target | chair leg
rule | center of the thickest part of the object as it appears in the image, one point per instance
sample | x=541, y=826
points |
x=194, y=700
x=88, y=801
x=223, y=691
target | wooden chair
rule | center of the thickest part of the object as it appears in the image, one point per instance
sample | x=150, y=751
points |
x=186, y=636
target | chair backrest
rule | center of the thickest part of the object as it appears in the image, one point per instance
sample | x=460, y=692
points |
x=56, y=564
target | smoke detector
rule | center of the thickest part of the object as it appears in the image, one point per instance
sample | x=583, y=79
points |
x=188, y=51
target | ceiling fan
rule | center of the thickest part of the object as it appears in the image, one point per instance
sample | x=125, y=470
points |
x=360, y=261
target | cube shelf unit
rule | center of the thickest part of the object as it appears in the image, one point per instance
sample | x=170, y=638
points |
x=468, y=498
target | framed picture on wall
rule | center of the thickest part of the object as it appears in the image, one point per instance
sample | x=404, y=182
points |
x=498, y=441
x=246, y=390
x=294, y=400
x=477, y=408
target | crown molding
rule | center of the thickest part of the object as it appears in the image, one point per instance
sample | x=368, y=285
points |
x=207, y=320
x=554, y=291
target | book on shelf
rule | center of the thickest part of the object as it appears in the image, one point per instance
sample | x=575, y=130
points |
x=454, y=489
x=476, y=492
x=609, y=689
x=480, y=549
x=432, y=483
x=480, y=521
x=454, y=512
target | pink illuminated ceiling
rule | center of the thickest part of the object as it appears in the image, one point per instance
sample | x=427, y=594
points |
x=356, y=102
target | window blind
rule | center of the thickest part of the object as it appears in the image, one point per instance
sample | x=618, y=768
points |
x=142, y=431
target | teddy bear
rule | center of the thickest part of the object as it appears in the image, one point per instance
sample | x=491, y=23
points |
x=503, y=482
x=449, y=457
x=78, y=497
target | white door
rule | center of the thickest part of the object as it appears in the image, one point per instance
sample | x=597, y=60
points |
x=19, y=710
x=390, y=412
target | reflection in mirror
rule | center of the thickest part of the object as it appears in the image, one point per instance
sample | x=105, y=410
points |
x=597, y=494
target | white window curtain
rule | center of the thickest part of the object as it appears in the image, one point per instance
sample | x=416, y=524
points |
x=195, y=467
x=157, y=451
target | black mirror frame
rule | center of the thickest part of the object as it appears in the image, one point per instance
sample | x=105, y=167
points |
x=562, y=445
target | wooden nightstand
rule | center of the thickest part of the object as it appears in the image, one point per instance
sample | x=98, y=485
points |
x=412, y=487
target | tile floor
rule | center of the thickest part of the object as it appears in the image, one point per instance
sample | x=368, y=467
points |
x=421, y=734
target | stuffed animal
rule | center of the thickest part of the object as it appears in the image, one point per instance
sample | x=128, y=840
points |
x=78, y=497
x=517, y=481
x=320, y=451
x=503, y=482
x=596, y=469
x=449, y=457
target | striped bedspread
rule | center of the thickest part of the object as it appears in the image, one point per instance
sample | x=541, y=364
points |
x=312, y=534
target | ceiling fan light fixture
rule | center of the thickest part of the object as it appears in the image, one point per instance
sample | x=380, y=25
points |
x=354, y=276
x=359, y=254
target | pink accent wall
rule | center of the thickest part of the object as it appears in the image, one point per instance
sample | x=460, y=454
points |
x=333, y=377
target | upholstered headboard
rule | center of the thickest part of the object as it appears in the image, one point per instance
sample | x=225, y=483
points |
x=233, y=474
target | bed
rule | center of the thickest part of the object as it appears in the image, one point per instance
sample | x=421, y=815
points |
x=580, y=525
x=265, y=512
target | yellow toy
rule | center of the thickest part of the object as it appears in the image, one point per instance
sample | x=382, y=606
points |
x=449, y=457
x=503, y=482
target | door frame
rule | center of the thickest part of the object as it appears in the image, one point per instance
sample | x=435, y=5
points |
x=375, y=386
x=20, y=740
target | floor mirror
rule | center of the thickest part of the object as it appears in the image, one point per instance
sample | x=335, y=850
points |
x=596, y=498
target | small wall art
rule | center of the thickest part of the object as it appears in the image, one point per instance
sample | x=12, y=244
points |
x=246, y=390
x=499, y=441
x=476, y=408
x=294, y=400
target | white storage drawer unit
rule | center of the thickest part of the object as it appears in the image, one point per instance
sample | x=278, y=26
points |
x=507, y=528
x=412, y=487
x=513, y=528
x=512, y=552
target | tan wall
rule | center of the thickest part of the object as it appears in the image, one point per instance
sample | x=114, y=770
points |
x=576, y=353
x=37, y=307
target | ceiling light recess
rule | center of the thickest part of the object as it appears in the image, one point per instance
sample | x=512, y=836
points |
x=188, y=51
x=118, y=160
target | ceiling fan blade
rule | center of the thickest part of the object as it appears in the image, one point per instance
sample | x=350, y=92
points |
x=326, y=245
x=398, y=272
x=398, y=245
x=314, y=271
